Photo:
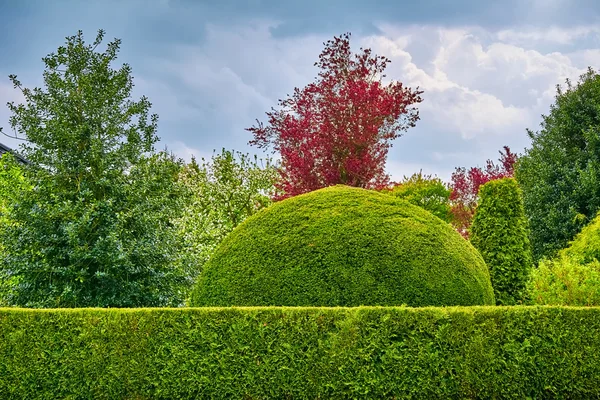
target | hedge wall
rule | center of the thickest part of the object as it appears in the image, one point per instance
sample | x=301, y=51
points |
x=300, y=353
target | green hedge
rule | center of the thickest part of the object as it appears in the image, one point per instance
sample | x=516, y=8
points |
x=300, y=353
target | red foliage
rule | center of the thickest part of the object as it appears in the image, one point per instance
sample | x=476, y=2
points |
x=465, y=187
x=338, y=129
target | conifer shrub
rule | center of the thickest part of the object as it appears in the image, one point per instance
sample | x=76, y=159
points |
x=343, y=246
x=501, y=235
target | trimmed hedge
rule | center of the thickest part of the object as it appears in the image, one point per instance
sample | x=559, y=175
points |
x=500, y=233
x=344, y=246
x=301, y=353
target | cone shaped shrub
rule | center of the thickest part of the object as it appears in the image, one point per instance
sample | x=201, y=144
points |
x=501, y=235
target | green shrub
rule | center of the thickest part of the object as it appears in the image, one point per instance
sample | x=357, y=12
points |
x=301, y=353
x=564, y=281
x=585, y=247
x=573, y=277
x=500, y=233
x=343, y=246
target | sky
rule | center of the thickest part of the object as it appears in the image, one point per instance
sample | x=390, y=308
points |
x=488, y=69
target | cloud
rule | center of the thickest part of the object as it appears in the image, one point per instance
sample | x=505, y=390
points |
x=481, y=89
x=484, y=85
x=532, y=36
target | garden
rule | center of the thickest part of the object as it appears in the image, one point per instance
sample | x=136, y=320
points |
x=129, y=273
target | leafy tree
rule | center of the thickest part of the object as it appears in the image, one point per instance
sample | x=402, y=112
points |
x=338, y=129
x=226, y=191
x=501, y=235
x=96, y=229
x=12, y=185
x=466, y=183
x=426, y=192
x=560, y=173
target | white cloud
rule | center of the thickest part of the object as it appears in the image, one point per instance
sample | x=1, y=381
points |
x=482, y=88
x=532, y=36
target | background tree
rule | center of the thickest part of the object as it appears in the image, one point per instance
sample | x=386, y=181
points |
x=424, y=191
x=465, y=186
x=225, y=191
x=501, y=235
x=338, y=129
x=560, y=173
x=13, y=185
x=97, y=227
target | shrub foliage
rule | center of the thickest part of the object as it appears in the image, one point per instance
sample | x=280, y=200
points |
x=573, y=277
x=500, y=233
x=344, y=246
x=301, y=353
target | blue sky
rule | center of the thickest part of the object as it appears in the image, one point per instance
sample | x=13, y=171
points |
x=488, y=68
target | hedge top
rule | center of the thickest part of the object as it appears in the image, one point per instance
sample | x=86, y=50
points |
x=343, y=246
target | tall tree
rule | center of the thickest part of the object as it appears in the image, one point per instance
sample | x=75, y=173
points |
x=96, y=229
x=338, y=129
x=466, y=183
x=560, y=173
x=225, y=191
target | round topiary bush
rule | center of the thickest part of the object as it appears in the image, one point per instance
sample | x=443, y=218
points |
x=344, y=246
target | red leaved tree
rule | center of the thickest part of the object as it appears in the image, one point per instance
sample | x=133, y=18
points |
x=465, y=187
x=338, y=129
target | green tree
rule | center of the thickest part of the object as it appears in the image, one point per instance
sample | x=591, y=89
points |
x=96, y=229
x=426, y=192
x=225, y=191
x=560, y=173
x=13, y=185
x=501, y=235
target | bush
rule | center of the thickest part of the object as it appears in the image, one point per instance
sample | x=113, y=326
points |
x=585, y=247
x=301, y=353
x=500, y=233
x=573, y=277
x=343, y=246
x=565, y=281
x=426, y=192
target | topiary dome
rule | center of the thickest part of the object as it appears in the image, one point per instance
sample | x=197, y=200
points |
x=343, y=246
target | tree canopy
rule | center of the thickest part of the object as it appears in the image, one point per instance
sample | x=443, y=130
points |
x=560, y=173
x=338, y=129
x=96, y=228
